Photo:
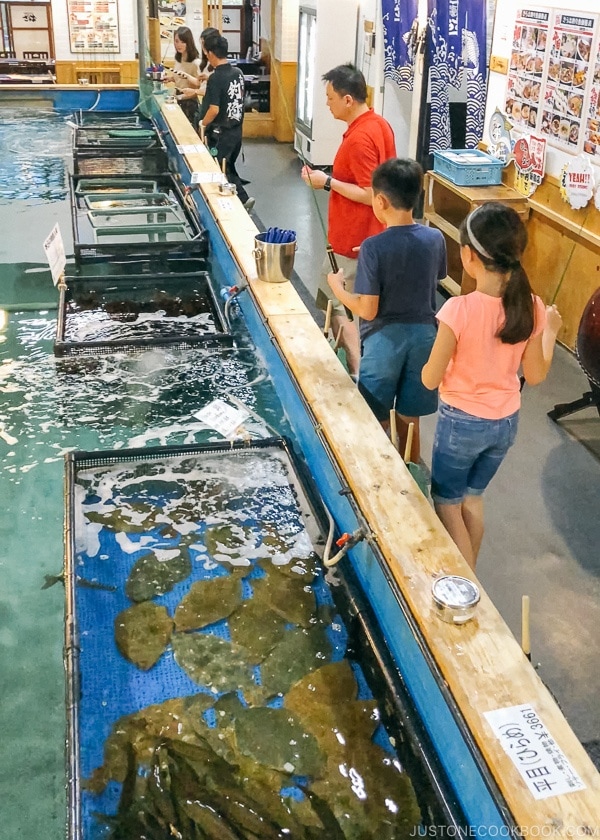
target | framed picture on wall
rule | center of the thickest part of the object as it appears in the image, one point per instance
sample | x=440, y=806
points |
x=93, y=26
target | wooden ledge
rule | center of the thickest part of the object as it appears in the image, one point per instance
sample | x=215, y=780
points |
x=481, y=661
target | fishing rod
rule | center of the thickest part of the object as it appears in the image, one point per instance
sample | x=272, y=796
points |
x=569, y=258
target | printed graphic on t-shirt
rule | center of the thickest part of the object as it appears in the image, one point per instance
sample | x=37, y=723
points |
x=235, y=100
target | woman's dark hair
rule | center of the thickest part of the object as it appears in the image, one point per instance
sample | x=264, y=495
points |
x=347, y=79
x=498, y=236
x=184, y=33
x=210, y=30
x=400, y=180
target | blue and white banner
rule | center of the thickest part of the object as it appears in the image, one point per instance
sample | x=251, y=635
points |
x=399, y=38
x=458, y=45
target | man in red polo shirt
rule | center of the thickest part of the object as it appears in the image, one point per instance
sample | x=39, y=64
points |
x=367, y=142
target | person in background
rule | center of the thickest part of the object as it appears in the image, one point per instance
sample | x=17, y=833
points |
x=394, y=296
x=222, y=111
x=483, y=339
x=186, y=72
x=367, y=142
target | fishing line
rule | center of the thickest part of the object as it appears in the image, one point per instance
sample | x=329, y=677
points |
x=569, y=258
x=294, y=130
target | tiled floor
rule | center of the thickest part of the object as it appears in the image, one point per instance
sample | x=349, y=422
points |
x=542, y=510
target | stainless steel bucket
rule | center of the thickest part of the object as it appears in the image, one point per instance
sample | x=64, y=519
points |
x=274, y=260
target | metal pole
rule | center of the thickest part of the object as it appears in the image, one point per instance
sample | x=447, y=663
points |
x=142, y=32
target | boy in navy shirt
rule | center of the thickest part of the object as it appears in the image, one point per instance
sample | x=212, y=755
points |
x=394, y=297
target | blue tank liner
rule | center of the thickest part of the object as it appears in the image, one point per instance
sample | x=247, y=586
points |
x=475, y=790
x=68, y=99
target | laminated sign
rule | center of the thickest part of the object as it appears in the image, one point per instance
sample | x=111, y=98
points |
x=577, y=182
x=537, y=756
x=55, y=254
x=530, y=163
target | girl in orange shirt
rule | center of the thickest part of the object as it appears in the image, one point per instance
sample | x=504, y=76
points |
x=483, y=339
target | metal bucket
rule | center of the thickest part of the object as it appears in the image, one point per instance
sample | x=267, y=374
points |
x=274, y=260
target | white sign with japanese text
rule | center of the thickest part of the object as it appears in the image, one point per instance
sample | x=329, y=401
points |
x=223, y=417
x=208, y=178
x=534, y=752
x=55, y=254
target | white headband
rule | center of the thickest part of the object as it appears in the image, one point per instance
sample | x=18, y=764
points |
x=475, y=242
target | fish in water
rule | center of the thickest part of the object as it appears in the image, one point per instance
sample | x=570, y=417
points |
x=51, y=580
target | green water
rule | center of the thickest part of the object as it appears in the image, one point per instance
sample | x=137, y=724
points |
x=123, y=401
x=46, y=409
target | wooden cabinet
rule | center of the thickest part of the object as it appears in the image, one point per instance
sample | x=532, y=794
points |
x=446, y=205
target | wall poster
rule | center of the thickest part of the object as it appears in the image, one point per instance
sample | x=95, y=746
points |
x=553, y=84
x=93, y=26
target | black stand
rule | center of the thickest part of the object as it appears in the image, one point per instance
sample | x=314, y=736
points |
x=590, y=398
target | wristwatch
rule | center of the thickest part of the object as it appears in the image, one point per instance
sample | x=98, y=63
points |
x=327, y=184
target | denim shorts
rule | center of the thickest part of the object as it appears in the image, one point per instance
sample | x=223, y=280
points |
x=467, y=452
x=390, y=370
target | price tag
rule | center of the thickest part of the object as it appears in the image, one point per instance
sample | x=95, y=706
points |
x=208, y=178
x=225, y=204
x=222, y=417
x=55, y=254
x=534, y=752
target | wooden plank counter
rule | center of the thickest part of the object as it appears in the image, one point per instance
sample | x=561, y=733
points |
x=481, y=661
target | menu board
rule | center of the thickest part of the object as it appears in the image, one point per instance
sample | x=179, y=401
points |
x=527, y=65
x=93, y=26
x=553, y=80
x=591, y=137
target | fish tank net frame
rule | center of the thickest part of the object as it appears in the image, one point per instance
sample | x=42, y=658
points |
x=75, y=463
x=189, y=240
x=114, y=138
x=430, y=794
x=111, y=119
x=134, y=162
x=123, y=293
x=124, y=268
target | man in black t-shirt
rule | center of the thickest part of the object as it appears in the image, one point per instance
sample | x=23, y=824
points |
x=222, y=110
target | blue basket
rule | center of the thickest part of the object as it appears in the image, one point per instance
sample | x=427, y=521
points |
x=468, y=167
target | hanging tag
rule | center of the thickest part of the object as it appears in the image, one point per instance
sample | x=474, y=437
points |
x=222, y=417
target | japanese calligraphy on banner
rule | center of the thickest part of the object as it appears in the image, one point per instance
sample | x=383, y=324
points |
x=93, y=26
x=534, y=752
x=458, y=44
x=553, y=87
x=399, y=41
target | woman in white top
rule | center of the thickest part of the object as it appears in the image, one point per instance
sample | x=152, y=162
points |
x=196, y=85
x=186, y=71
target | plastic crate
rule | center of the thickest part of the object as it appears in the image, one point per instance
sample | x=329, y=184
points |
x=468, y=167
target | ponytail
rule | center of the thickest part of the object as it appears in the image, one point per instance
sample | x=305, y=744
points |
x=518, y=308
x=498, y=235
